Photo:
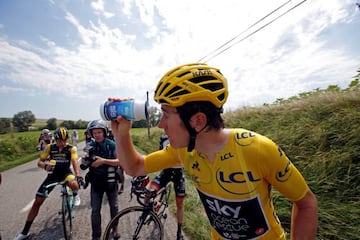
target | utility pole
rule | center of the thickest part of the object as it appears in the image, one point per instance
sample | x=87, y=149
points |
x=148, y=117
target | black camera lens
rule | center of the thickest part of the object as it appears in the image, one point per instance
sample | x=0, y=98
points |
x=84, y=165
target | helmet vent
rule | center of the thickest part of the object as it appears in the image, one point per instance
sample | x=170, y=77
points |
x=162, y=89
x=201, y=79
x=183, y=74
x=162, y=101
x=177, y=91
x=213, y=86
x=180, y=93
x=221, y=97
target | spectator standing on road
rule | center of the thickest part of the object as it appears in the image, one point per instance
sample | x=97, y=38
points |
x=233, y=170
x=87, y=136
x=65, y=155
x=74, y=138
x=176, y=175
x=88, y=140
x=102, y=175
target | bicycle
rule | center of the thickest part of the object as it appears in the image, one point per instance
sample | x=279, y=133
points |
x=144, y=221
x=67, y=204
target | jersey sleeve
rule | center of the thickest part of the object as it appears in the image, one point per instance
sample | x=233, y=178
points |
x=165, y=158
x=74, y=154
x=46, y=152
x=280, y=172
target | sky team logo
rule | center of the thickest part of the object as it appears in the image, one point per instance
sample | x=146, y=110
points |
x=235, y=219
x=244, y=138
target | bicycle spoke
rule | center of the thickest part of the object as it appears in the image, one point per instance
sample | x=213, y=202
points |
x=131, y=226
x=67, y=217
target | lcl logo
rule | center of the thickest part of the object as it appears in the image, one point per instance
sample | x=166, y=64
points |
x=244, y=138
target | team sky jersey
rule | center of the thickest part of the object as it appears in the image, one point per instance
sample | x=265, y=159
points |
x=236, y=189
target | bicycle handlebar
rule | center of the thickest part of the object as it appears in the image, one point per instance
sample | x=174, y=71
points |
x=53, y=185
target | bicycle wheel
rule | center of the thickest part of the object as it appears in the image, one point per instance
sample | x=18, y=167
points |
x=67, y=216
x=131, y=224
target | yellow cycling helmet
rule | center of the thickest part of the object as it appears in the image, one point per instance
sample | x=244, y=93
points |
x=61, y=134
x=190, y=83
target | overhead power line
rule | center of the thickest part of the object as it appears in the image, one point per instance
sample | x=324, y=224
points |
x=252, y=25
x=252, y=33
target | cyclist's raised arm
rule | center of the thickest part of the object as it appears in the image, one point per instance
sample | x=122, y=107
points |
x=131, y=160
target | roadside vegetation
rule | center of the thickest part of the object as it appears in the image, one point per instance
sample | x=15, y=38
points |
x=318, y=130
x=20, y=147
x=320, y=134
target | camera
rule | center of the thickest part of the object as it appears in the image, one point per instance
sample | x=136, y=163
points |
x=88, y=160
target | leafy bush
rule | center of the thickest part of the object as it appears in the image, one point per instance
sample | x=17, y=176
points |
x=6, y=150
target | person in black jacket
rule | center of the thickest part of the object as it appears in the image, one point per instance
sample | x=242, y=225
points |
x=103, y=164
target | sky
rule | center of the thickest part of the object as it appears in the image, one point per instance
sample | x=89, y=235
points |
x=62, y=59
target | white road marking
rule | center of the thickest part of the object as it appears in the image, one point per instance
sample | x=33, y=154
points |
x=27, y=207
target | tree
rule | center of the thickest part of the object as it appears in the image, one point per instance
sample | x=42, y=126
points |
x=333, y=88
x=357, y=77
x=355, y=82
x=51, y=124
x=81, y=124
x=140, y=124
x=69, y=124
x=154, y=117
x=5, y=125
x=23, y=120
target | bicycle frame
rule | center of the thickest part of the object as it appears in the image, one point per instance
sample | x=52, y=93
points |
x=67, y=204
x=161, y=197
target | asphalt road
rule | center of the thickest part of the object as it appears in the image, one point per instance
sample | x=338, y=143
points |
x=17, y=192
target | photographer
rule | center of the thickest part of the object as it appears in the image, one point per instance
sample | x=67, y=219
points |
x=103, y=164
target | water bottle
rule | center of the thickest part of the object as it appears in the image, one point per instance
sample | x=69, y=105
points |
x=129, y=109
x=52, y=162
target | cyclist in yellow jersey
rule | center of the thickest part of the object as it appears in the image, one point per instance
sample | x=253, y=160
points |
x=234, y=170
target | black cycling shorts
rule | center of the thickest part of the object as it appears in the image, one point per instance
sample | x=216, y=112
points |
x=176, y=175
x=51, y=178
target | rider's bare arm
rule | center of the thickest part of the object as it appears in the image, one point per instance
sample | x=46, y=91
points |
x=304, y=218
x=131, y=160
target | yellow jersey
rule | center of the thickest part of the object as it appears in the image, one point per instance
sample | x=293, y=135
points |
x=236, y=188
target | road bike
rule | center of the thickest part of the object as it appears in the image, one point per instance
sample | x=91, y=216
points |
x=67, y=204
x=144, y=221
